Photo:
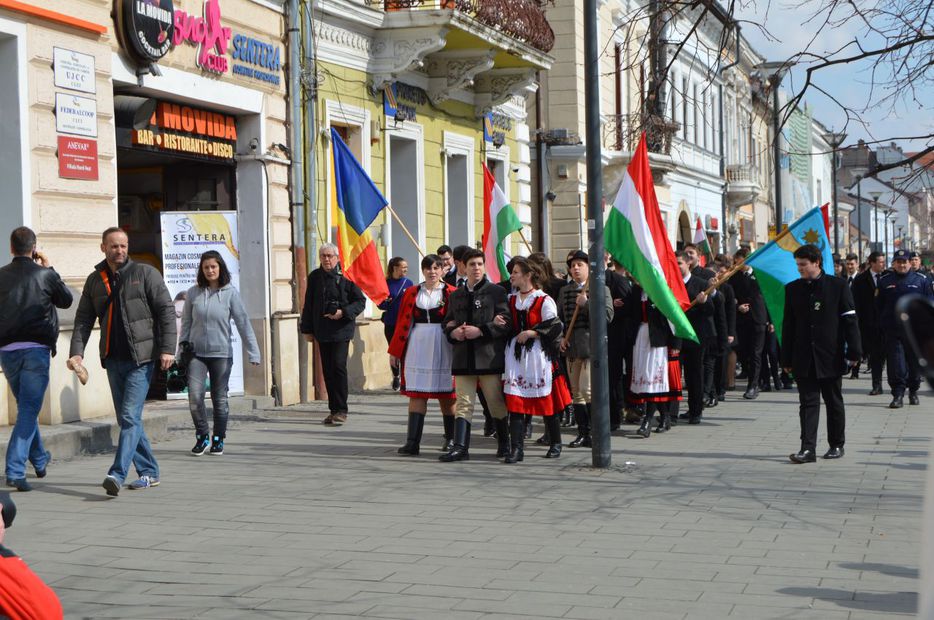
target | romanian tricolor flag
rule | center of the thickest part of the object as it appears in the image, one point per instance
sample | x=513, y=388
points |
x=355, y=203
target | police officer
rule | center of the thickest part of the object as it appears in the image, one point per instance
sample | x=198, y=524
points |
x=903, y=369
x=915, y=260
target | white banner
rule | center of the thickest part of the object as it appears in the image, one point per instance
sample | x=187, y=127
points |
x=186, y=235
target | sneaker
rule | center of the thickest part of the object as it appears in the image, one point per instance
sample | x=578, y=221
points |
x=328, y=421
x=201, y=445
x=338, y=419
x=111, y=486
x=144, y=482
x=217, y=446
x=40, y=473
x=19, y=485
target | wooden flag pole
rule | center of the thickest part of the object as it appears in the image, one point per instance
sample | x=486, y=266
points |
x=720, y=281
x=577, y=308
x=406, y=231
x=527, y=245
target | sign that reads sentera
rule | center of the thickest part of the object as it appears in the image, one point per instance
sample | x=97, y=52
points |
x=265, y=58
x=75, y=115
x=73, y=70
x=190, y=131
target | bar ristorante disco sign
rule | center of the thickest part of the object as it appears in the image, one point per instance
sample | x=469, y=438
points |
x=189, y=131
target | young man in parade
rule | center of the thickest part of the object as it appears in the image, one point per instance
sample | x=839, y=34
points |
x=701, y=316
x=864, y=289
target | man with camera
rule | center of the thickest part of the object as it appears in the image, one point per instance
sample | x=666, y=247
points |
x=30, y=292
x=332, y=303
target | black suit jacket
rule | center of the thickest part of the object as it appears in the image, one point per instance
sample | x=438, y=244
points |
x=864, y=299
x=729, y=308
x=819, y=330
x=747, y=292
x=701, y=316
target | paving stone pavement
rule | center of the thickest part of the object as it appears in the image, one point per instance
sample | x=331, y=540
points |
x=298, y=520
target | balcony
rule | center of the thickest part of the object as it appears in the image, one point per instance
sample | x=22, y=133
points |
x=490, y=48
x=742, y=184
x=621, y=132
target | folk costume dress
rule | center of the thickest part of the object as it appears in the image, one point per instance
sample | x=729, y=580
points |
x=532, y=383
x=420, y=343
x=656, y=374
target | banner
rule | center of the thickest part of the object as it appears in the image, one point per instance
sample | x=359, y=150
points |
x=186, y=235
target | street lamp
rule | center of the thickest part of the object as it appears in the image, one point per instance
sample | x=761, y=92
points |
x=888, y=214
x=835, y=139
x=875, y=216
x=774, y=72
x=858, y=172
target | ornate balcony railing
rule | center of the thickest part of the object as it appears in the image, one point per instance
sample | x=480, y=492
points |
x=621, y=132
x=742, y=173
x=523, y=20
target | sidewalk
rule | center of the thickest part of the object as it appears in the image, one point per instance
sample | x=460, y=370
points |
x=298, y=520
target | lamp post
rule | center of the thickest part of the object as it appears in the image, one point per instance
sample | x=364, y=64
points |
x=888, y=214
x=774, y=72
x=875, y=216
x=858, y=172
x=898, y=239
x=835, y=139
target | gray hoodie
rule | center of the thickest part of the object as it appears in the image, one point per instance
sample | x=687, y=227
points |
x=206, y=322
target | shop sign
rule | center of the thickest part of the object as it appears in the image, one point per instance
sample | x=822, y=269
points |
x=400, y=101
x=73, y=70
x=185, y=237
x=189, y=130
x=208, y=33
x=264, y=57
x=75, y=115
x=145, y=27
x=495, y=128
x=77, y=158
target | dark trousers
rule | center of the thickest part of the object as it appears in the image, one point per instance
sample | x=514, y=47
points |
x=719, y=372
x=875, y=351
x=751, y=343
x=903, y=368
x=334, y=367
x=769, y=368
x=388, y=331
x=810, y=392
x=710, y=369
x=615, y=351
x=692, y=361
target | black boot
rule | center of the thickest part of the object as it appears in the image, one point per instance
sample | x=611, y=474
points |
x=502, y=437
x=448, y=444
x=583, y=427
x=413, y=436
x=528, y=427
x=567, y=418
x=489, y=429
x=461, y=449
x=664, y=423
x=646, y=429
x=554, y=434
x=516, y=438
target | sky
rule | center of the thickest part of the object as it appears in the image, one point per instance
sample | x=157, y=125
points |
x=791, y=30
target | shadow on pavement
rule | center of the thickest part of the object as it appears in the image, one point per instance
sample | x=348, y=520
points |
x=894, y=602
x=59, y=489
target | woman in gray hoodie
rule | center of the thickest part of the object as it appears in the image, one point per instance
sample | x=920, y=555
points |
x=209, y=308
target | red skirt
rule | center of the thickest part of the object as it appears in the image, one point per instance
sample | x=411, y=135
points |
x=555, y=402
x=674, y=385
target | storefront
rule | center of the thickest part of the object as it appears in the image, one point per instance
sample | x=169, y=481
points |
x=166, y=118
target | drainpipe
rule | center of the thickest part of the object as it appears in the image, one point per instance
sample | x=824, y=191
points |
x=296, y=180
x=723, y=206
x=544, y=226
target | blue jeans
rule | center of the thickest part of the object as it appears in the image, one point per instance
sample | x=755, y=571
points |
x=219, y=370
x=129, y=385
x=27, y=372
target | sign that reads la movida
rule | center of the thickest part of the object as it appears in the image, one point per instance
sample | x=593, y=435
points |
x=145, y=28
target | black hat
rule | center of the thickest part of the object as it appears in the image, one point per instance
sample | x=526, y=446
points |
x=9, y=509
x=900, y=255
x=913, y=254
x=578, y=255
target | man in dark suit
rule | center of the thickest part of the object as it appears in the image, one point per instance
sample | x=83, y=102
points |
x=819, y=333
x=727, y=341
x=751, y=321
x=457, y=276
x=692, y=353
x=864, y=297
x=617, y=342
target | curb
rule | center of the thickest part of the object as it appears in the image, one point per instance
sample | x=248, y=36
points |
x=100, y=435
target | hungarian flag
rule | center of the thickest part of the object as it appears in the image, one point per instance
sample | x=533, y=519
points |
x=635, y=236
x=703, y=246
x=355, y=203
x=499, y=221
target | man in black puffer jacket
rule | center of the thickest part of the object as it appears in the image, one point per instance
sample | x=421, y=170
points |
x=30, y=292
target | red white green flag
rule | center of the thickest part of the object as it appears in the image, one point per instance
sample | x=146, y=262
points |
x=499, y=221
x=703, y=246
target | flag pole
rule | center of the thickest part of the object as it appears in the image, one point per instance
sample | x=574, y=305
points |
x=406, y=231
x=720, y=281
x=525, y=241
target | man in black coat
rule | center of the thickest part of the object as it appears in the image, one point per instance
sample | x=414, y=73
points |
x=332, y=304
x=728, y=340
x=479, y=323
x=819, y=332
x=618, y=345
x=751, y=321
x=701, y=317
x=458, y=275
x=864, y=296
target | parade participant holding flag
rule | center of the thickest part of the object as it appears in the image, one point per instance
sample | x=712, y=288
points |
x=499, y=221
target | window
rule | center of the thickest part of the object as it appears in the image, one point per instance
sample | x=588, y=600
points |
x=684, y=108
x=697, y=115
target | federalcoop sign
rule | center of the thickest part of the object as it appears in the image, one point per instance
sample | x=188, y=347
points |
x=148, y=29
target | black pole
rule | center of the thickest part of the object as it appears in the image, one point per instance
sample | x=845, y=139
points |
x=859, y=216
x=885, y=227
x=599, y=381
x=875, y=222
x=776, y=155
x=836, y=215
x=723, y=189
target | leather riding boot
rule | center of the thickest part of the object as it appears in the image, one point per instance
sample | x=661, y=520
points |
x=583, y=427
x=646, y=429
x=664, y=423
x=554, y=434
x=502, y=437
x=413, y=436
x=489, y=429
x=461, y=449
x=448, y=444
x=516, y=438
x=567, y=416
x=528, y=427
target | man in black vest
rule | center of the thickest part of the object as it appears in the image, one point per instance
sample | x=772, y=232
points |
x=751, y=321
x=864, y=297
x=819, y=332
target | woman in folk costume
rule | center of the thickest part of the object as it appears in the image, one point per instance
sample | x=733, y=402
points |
x=533, y=385
x=424, y=352
x=656, y=369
